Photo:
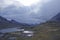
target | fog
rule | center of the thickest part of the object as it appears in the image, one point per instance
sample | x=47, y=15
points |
x=34, y=14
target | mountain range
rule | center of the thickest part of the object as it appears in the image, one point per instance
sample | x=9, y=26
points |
x=49, y=30
x=4, y=23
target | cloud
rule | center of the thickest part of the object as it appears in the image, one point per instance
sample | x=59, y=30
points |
x=40, y=12
x=49, y=10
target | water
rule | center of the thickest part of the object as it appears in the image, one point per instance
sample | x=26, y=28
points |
x=25, y=32
x=10, y=30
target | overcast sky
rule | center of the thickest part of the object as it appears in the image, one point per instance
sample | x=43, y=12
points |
x=38, y=13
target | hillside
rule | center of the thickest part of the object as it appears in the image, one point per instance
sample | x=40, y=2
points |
x=47, y=31
x=56, y=18
x=4, y=23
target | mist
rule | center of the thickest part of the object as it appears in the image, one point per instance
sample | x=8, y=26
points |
x=34, y=14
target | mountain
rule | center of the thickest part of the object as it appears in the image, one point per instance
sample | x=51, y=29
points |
x=49, y=30
x=56, y=18
x=4, y=23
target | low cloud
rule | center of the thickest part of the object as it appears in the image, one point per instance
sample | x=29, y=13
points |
x=38, y=13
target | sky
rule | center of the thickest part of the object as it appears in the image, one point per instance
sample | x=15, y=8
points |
x=32, y=14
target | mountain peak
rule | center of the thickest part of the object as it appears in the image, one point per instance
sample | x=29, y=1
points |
x=56, y=18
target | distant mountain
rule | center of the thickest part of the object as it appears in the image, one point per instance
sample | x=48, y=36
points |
x=56, y=18
x=4, y=23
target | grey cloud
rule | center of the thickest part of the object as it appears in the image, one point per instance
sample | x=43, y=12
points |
x=21, y=14
x=49, y=10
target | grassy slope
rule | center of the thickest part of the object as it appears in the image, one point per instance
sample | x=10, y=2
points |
x=47, y=31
